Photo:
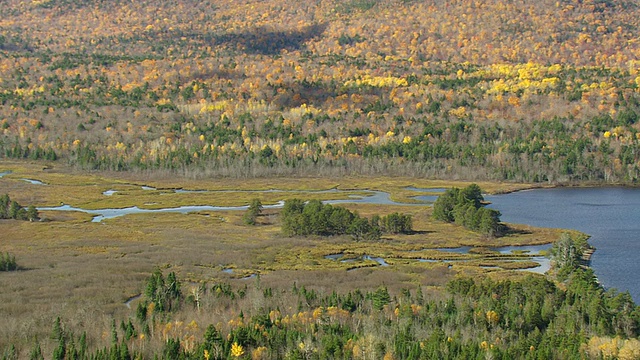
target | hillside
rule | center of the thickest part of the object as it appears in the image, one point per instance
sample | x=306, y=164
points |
x=155, y=104
x=528, y=91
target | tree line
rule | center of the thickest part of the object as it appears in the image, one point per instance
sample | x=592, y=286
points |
x=10, y=209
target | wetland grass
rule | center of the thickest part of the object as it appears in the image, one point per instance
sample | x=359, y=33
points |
x=85, y=272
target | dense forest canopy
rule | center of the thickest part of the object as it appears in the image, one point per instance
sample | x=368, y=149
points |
x=531, y=90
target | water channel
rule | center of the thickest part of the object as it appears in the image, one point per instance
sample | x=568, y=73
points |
x=371, y=197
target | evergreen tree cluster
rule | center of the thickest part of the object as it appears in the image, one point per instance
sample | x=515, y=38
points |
x=17, y=151
x=464, y=207
x=567, y=255
x=10, y=209
x=71, y=348
x=396, y=223
x=66, y=347
x=252, y=213
x=164, y=294
x=315, y=218
x=8, y=262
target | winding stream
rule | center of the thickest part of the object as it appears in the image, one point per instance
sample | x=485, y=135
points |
x=531, y=253
x=371, y=197
x=374, y=197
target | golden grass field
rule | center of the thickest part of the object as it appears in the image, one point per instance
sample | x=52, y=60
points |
x=85, y=271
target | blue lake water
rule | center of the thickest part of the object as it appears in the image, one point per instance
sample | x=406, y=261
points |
x=610, y=215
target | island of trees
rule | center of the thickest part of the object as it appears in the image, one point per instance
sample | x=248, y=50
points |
x=465, y=207
x=315, y=218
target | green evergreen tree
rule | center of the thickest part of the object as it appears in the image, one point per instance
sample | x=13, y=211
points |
x=124, y=353
x=361, y=229
x=130, y=331
x=32, y=213
x=339, y=219
x=36, y=352
x=141, y=312
x=252, y=213
x=14, y=209
x=444, y=205
x=155, y=289
x=71, y=352
x=212, y=337
x=82, y=345
x=471, y=193
x=8, y=262
x=380, y=297
x=489, y=221
x=291, y=216
x=61, y=349
x=5, y=200
x=172, y=349
x=173, y=292
x=57, y=332
x=565, y=254
x=114, y=351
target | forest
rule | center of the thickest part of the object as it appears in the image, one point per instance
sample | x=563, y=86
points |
x=546, y=92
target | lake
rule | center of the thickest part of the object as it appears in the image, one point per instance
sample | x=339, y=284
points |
x=610, y=215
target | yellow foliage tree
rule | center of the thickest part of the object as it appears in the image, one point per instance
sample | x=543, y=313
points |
x=237, y=350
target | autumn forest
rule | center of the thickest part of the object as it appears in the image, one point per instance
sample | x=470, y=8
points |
x=544, y=91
